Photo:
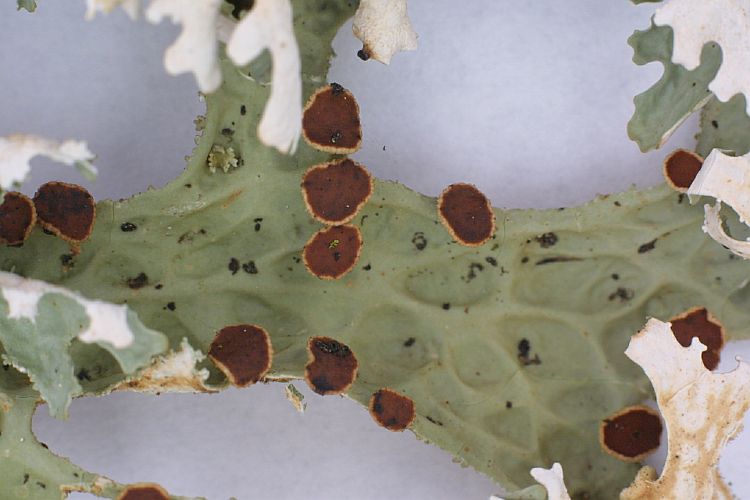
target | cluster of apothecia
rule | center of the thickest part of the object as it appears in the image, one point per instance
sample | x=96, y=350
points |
x=66, y=210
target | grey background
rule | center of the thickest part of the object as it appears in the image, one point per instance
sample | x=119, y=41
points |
x=528, y=100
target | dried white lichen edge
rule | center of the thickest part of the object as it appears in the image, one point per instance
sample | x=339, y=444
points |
x=553, y=481
x=726, y=22
x=384, y=28
x=107, y=322
x=196, y=48
x=727, y=179
x=181, y=363
x=16, y=152
x=269, y=25
x=176, y=371
x=712, y=225
x=702, y=412
x=131, y=7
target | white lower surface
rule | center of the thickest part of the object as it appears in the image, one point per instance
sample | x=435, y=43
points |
x=528, y=100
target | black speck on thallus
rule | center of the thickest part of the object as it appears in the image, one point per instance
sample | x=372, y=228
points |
x=491, y=261
x=367, y=267
x=547, y=240
x=171, y=306
x=434, y=421
x=419, y=240
x=623, y=294
x=446, y=306
x=647, y=247
x=243, y=110
x=556, y=259
x=83, y=374
x=409, y=342
x=138, y=282
x=127, y=227
x=249, y=267
x=524, y=347
x=234, y=266
x=715, y=124
x=473, y=268
x=257, y=221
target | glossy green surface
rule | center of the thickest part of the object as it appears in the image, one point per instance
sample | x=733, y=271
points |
x=678, y=93
x=444, y=324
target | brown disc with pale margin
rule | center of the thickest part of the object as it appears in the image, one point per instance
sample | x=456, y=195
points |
x=334, y=192
x=243, y=352
x=144, y=491
x=17, y=218
x=392, y=410
x=467, y=214
x=332, y=366
x=631, y=434
x=680, y=169
x=698, y=322
x=333, y=251
x=330, y=120
x=66, y=210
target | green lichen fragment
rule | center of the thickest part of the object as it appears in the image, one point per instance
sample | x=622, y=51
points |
x=677, y=94
x=28, y=469
x=296, y=398
x=512, y=351
x=223, y=158
x=29, y=5
x=724, y=125
x=42, y=348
